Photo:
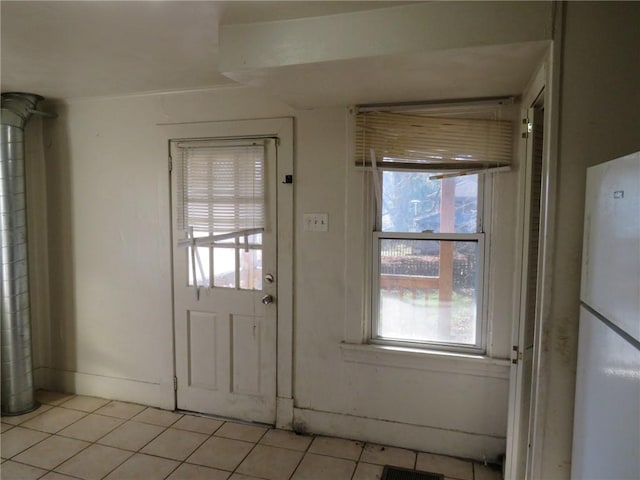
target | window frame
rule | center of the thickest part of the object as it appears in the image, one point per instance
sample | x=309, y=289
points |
x=481, y=236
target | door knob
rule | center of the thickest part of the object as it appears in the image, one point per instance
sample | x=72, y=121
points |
x=267, y=299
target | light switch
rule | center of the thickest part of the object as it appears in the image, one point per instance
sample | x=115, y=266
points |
x=316, y=222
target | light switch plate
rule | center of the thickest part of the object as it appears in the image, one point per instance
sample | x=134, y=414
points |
x=315, y=222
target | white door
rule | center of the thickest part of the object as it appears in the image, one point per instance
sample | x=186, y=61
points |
x=224, y=203
x=522, y=376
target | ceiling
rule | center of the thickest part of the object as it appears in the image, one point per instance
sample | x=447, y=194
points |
x=488, y=71
x=95, y=48
x=75, y=49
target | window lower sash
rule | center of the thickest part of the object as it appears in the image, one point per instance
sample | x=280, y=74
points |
x=428, y=290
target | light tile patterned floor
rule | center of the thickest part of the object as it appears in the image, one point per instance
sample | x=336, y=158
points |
x=87, y=438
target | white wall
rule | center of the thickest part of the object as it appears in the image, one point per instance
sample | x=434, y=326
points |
x=449, y=405
x=599, y=115
x=110, y=286
x=109, y=238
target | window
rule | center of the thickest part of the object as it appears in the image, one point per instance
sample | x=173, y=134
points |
x=221, y=208
x=428, y=242
x=429, y=252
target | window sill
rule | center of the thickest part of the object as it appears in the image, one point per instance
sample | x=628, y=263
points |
x=446, y=362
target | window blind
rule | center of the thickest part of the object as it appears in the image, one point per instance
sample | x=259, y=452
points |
x=221, y=187
x=412, y=140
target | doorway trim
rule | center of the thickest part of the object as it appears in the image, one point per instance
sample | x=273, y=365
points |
x=281, y=128
x=545, y=82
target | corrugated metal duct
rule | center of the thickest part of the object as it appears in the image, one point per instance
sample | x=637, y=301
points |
x=17, y=369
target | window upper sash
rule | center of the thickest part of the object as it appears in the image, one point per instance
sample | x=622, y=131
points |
x=419, y=141
x=221, y=186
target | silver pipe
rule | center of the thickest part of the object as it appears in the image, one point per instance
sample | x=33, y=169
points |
x=43, y=114
x=17, y=369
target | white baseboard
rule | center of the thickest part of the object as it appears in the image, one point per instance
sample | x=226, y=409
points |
x=414, y=437
x=385, y=432
x=151, y=394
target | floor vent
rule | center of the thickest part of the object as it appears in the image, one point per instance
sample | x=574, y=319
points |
x=395, y=473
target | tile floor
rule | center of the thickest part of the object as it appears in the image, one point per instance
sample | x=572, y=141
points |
x=79, y=437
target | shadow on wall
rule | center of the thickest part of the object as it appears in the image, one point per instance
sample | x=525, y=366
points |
x=36, y=201
x=61, y=268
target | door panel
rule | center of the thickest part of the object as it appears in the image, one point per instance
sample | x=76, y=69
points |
x=245, y=343
x=523, y=380
x=225, y=337
x=201, y=358
x=531, y=294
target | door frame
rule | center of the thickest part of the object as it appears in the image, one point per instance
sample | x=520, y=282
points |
x=283, y=129
x=543, y=82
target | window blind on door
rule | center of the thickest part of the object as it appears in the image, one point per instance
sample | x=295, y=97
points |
x=221, y=187
x=412, y=140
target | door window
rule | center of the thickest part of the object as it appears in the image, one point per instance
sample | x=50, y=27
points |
x=221, y=209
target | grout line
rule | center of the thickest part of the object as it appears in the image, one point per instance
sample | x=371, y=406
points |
x=78, y=453
x=30, y=418
x=243, y=458
x=107, y=401
x=126, y=449
x=364, y=445
x=164, y=428
x=355, y=469
x=176, y=467
x=304, y=454
x=332, y=456
x=59, y=435
x=66, y=459
x=49, y=435
x=131, y=454
x=57, y=431
x=263, y=435
x=133, y=418
x=26, y=464
x=139, y=450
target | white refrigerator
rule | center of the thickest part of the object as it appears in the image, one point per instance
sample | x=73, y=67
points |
x=606, y=432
